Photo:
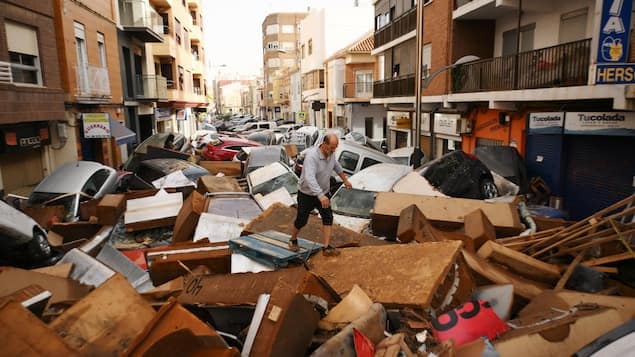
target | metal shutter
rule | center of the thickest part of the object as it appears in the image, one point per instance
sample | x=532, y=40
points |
x=549, y=148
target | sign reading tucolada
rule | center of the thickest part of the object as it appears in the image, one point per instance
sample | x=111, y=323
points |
x=600, y=123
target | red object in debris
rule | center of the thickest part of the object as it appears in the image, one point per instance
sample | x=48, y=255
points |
x=364, y=347
x=137, y=256
x=468, y=322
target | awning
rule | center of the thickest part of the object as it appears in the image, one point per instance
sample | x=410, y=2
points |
x=122, y=134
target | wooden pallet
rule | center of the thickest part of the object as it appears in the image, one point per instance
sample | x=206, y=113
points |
x=271, y=248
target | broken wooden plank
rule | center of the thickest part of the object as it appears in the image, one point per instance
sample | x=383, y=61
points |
x=211, y=184
x=446, y=211
x=398, y=275
x=60, y=270
x=609, y=259
x=63, y=290
x=520, y=263
x=156, y=211
x=478, y=227
x=106, y=320
x=228, y=168
x=523, y=287
x=280, y=218
x=23, y=334
x=567, y=274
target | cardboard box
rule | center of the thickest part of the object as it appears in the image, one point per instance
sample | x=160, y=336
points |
x=187, y=218
x=228, y=168
x=217, y=184
x=156, y=211
x=110, y=208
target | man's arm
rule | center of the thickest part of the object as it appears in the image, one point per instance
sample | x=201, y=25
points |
x=345, y=181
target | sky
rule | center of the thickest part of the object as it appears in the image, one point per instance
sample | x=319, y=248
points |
x=233, y=30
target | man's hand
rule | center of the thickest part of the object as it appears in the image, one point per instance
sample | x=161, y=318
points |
x=347, y=184
x=325, y=202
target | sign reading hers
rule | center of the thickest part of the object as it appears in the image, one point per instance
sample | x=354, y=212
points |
x=546, y=123
x=96, y=125
x=614, y=31
x=609, y=123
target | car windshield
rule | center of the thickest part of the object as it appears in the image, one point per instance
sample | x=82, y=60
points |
x=353, y=202
x=402, y=160
x=288, y=180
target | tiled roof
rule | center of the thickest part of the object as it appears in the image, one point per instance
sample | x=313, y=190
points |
x=364, y=45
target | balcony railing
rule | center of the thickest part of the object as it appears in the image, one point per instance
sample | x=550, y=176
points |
x=557, y=66
x=400, y=26
x=139, y=14
x=151, y=87
x=92, y=81
x=5, y=72
x=403, y=86
x=358, y=90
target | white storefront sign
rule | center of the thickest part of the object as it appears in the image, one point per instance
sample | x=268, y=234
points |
x=600, y=123
x=447, y=124
x=96, y=125
x=546, y=123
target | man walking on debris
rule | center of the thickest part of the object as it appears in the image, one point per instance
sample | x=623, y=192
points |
x=313, y=190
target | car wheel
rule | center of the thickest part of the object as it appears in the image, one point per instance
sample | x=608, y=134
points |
x=488, y=188
x=39, y=247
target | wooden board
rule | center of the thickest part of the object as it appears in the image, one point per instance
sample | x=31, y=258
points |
x=280, y=218
x=106, y=320
x=442, y=210
x=217, y=184
x=271, y=248
x=60, y=271
x=23, y=334
x=395, y=276
x=520, y=263
x=228, y=168
x=63, y=290
x=523, y=287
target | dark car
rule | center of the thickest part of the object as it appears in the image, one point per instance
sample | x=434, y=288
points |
x=150, y=170
x=23, y=242
x=172, y=141
x=265, y=137
x=459, y=174
x=507, y=162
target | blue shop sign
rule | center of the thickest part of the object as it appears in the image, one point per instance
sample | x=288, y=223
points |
x=614, y=31
x=615, y=73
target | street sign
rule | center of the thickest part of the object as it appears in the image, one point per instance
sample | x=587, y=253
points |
x=301, y=116
x=96, y=125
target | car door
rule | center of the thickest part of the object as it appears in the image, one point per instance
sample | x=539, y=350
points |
x=349, y=162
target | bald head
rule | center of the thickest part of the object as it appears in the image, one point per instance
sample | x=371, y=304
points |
x=329, y=145
x=331, y=138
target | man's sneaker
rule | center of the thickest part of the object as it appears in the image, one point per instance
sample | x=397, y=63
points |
x=293, y=245
x=330, y=251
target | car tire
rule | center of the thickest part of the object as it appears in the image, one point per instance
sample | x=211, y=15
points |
x=488, y=188
x=39, y=247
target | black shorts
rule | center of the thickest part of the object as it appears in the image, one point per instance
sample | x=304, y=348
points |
x=306, y=204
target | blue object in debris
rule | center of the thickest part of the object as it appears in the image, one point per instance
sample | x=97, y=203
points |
x=546, y=211
x=271, y=248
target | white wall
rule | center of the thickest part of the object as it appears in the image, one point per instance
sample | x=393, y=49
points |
x=336, y=77
x=296, y=90
x=359, y=115
x=312, y=29
x=547, y=23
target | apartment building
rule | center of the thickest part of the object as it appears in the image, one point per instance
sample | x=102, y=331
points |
x=88, y=51
x=280, y=45
x=139, y=25
x=554, y=81
x=349, y=89
x=180, y=58
x=324, y=32
x=33, y=127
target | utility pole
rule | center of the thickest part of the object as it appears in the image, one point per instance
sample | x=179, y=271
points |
x=416, y=135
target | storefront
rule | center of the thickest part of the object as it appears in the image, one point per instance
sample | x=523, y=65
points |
x=489, y=127
x=163, y=118
x=447, y=133
x=399, y=129
x=104, y=139
x=21, y=152
x=584, y=157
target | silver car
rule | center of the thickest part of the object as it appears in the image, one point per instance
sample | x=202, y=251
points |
x=72, y=183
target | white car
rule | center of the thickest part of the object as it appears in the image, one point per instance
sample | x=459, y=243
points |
x=202, y=137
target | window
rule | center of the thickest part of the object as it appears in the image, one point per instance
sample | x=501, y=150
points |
x=183, y=2
x=273, y=45
x=101, y=49
x=348, y=160
x=426, y=61
x=310, y=46
x=166, y=71
x=271, y=29
x=369, y=127
x=573, y=26
x=302, y=51
x=186, y=41
x=166, y=23
x=193, y=14
x=195, y=52
x=94, y=183
x=288, y=28
x=23, y=53
x=363, y=83
x=526, y=40
x=368, y=162
x=177, y=30
x=181, y=78
x=82, y=56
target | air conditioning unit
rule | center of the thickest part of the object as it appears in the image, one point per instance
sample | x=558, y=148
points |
x=465, y=126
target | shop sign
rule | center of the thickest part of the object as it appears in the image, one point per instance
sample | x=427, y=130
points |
x=399, y=120
x=615, y=28
x=276, y=109
x=600, y=123
x=425, y=123
x=182, y=114
x=16, y=138
x=446, y=124
x=96, y=125
x=162, y=113
x=615, y=73
x=546, y=123
x=301, y=116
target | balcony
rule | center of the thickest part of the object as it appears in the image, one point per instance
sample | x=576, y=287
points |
x=5, y=72
x=93, y=83
x=358, y=90
x=151, y=87
x=165, y=4
x=557, y=66
x=166, y=49
x=195, y=34
x=403, y=86
x=400, y=26
x=140, y=20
